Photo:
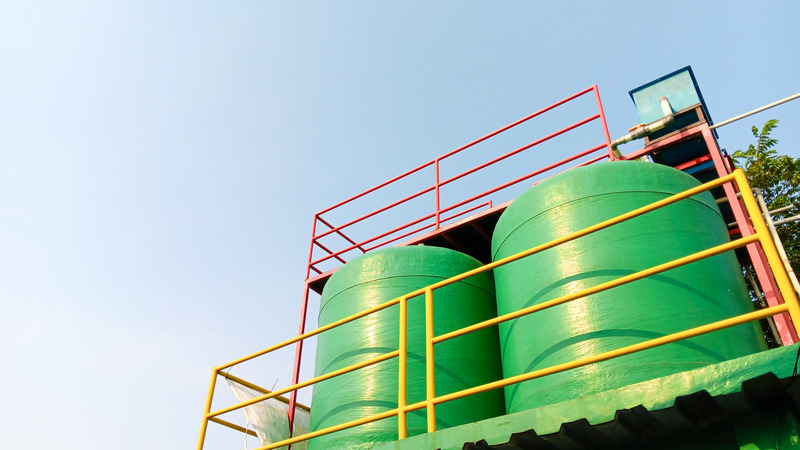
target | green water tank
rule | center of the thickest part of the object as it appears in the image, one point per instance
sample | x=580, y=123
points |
x=461, y=363
x=679, y=299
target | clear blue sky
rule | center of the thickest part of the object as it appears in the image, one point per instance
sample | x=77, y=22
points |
x=160, y=163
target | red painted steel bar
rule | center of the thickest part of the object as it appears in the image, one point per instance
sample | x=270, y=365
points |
x=518, y=122
x=523, y=148
x=417, y=230
x=325, y=222
x=586, y=163
x=461, y=213
x=593, y=160
x=311, y=255
x=298, y=356
x=438, y=186
x=435, y=162
x=471, y=199
x=311, y=246
x=330, y=252
x=438, y=210
x=368, y=191
x=453, y=152
x=524, y=177
x=367, y=241
x=377, y=211
x=603, y=120
x=696, y=161
x=757, y=257
x=395, y=239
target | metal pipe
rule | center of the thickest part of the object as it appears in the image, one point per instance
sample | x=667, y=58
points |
x=787, y=293
x=787, y=220
x=416, y=230
x=520, y=121
x=780, y=210
x=778, y=244
x=295, y=387
x=732, y=245
x=311, y=333
x=645, y=130
x=603, y=120
x=209, y=398
x=725, y=199
x=430, y=378
x=325, y=222
x=523, y=148
x=762, y=302
x=437, y=190
x=757, y=110
x=233, y=426
x=258, y=388
x=402, y=396
x=670, y=338
x=329, y=430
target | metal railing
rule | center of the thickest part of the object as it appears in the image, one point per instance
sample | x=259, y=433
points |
x=442, y=214
x=761, y=236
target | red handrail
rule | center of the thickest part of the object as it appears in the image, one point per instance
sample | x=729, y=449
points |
x=337, y=254
x=438, y=209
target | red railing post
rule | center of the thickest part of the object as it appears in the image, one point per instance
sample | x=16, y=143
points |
x=603, y=120
x=436, y=193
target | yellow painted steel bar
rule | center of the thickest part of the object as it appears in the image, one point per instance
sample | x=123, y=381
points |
x=771, y=251
x=416, y=406
x=335, y=373
x=311, y=333
x=726, y=323
x=402, y=422
x=333, y=429
x=209, y=398
x=741, y=242
x=430, y=376
x=258, y=388
x=605, y=224
x=572, y=236
x=430, y=405
x=233, y=426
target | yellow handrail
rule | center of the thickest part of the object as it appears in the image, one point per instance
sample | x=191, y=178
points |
x=761, y=236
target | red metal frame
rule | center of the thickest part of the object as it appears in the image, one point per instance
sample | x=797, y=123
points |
x=436, y=216
x=769, y=287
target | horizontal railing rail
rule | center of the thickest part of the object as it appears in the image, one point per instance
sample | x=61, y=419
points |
x=760, y=236
x=433, y=219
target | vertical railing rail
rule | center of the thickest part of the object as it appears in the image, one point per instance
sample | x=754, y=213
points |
x=436, y=193
x=439, y=182
x=430, y=365
x=760, y=235
x=611, y=155
x=402, y=398
x=771, y=251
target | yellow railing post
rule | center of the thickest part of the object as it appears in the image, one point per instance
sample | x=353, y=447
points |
x=209, y=398
x=430, y=381
x=402, y=423
x=762, y=236
x=771, y=251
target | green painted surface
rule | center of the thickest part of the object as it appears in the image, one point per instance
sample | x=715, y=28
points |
x=679, y=299
x=758, y=430
x=461, y=363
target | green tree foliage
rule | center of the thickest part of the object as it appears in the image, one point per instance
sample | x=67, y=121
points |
x=778, y=177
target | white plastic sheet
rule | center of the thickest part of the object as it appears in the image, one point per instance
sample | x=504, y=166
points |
x=270, y=418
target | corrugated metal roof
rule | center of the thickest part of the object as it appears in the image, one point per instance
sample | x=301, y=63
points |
x=692, y=414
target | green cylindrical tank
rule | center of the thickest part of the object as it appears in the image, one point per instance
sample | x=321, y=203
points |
x=679, y=299
x=463, y=362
